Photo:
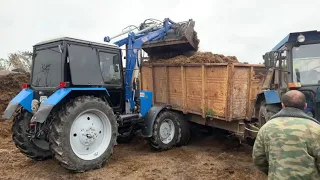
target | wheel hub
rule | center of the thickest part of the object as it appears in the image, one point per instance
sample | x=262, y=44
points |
x=90, y=134
x=167, y=131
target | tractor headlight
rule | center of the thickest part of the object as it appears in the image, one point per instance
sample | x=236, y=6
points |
x=301, y=38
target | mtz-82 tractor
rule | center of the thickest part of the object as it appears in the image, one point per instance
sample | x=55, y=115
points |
x=294, y=63
x=79, y=100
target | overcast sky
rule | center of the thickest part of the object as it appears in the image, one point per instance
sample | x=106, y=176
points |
x=243, y=28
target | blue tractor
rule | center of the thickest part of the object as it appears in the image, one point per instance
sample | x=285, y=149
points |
x=294, y=63
x=79, y=101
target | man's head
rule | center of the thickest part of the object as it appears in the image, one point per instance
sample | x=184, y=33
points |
x=294, y=99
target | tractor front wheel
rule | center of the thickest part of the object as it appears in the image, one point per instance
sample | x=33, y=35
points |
x=266, y=112
x=33, y=148
x=84, y=134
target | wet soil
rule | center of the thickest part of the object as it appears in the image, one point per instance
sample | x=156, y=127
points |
x=206, y=157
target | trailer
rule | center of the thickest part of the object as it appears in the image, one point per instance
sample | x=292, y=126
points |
x=221, y=95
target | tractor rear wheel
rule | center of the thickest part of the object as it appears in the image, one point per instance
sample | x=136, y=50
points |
x=84, y=134
x=166, y=131
x=33, y=148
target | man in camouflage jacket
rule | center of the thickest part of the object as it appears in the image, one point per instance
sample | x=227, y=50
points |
x=288, y=145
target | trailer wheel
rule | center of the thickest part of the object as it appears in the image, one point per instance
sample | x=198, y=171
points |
x=166, y=131
x=265, y=112
x=185, y=131
x=35, y=149
x=84, y=134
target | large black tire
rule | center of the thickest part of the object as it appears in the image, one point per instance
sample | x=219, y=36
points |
x=266, y=112
x=23, y=143
x=185, y=131
x=155, y=140
x=60, y=142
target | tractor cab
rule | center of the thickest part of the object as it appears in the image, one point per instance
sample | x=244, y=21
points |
x=62, y=62
x=294, y=63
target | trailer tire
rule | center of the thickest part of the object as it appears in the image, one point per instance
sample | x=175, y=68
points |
x=23, y=143
x=85, y=125
x=266, y=111
x=185, y=131
x=165, y=120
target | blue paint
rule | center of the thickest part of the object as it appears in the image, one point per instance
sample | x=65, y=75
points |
x=24, y=98
x=281, y=43
x=271, y=97
x=57, y=96
x=145, y=102
x=134, y=42
x=292, y=37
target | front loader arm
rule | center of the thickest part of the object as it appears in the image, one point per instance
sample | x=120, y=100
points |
x=134, y=42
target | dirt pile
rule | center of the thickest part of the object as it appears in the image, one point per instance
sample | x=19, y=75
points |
x=198, y=57
x=10, y=86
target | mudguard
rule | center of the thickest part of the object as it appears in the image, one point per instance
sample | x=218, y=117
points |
x=47, y=105
x=145, y=102
x=24, y=98
x=271, y=97
x=150, y=118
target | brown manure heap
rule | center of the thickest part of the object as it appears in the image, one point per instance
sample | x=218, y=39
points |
x=198, y=57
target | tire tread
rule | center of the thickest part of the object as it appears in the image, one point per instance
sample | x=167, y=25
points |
x=57, y=130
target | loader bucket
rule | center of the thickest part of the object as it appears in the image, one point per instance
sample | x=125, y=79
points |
x=181, y=40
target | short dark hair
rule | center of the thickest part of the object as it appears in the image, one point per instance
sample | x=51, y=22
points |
x=295, y=99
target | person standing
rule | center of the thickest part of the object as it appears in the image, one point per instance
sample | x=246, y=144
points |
x=288, y=145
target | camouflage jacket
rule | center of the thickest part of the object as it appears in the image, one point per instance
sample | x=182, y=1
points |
x=288, y=146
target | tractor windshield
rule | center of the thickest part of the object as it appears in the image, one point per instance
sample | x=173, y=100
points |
x=47, y=67
x=306, y=64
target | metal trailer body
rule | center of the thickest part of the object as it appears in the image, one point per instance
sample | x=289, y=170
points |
x=221, y=95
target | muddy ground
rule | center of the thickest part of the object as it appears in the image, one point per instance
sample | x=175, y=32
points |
x=206, y=157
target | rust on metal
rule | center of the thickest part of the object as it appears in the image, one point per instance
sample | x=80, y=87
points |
x=230, y=91
x=184, y=89
x=204, y=96
x=250, y=79
x=268, y=79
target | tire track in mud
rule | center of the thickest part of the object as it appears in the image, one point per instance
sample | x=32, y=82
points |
x=203, y=158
